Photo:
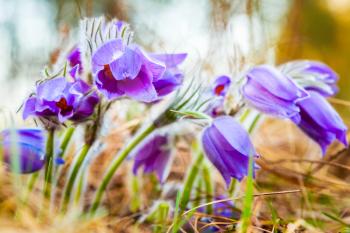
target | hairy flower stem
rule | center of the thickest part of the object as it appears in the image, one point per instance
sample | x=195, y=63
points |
x=71, y=180
x=116, y=164
x=49, y=163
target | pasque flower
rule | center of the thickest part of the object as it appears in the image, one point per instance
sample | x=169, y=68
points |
x=27, y=144
x=122, y=69
x=153, y=155
x=312, y=75
x=228, y=147
x=218, y=93
x=62, y=99
x=320, y=121
x=271, y=92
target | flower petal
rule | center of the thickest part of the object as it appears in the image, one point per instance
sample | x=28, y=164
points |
x=141, y=88
x=106, y=53
x=126, y=66
x=170, y=60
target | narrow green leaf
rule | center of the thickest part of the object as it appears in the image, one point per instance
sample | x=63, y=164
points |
x=248, y=199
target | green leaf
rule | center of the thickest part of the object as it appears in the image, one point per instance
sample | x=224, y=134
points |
x=248, y=198
x=192, y=114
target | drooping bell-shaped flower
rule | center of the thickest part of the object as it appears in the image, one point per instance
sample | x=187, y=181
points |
x=23, y=149
x=154, y=155
x=320, y=121
x=61, y=99
x=218, y=93
x=312, y=75
x=271, y=92
x=227, y=145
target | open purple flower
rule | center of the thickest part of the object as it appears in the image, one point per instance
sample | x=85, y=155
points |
x=228, y=147
x=25, y=146
x=62, y=99
x=312, y=75
x=154, y=156
x=121, y=69
x=218, y=92
x=320, y=121
x=74, y=58
x=271, y=92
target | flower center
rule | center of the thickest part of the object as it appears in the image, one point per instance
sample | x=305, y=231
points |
x=62, y=104
x=107, y=71
x=219, y=89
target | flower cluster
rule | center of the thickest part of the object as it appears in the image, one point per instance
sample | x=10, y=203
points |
x=110, y=67
x=297, y=91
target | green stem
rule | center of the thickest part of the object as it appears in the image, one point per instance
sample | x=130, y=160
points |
x=186, y=191
x=162, y=216
x=208, y=184
x=199, y=193
x=191, y=177
x=66, y=139
x=135, y=194
x=254, y=123
x=115, y=165
x=49, y=163
x=80, y=188
x=73, y=176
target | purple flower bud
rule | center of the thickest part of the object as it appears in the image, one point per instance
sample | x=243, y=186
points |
x=74, y=59
x=218, y=92
x=271, y=92
x=221, y=85
x=228, y=147
x=154, y=156
x=320, y=121
x=312, y=75
x=61, y=99
x=27, y=144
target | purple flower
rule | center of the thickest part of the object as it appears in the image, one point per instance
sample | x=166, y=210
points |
x=271, y=92
x=121, y=69
x=218, y=92
x=74, y=58
x=228, y=147
x=320, y=121
x=172, y=77
x=312, y=75
x=154, y=155
x=61, y=99
x=27, y=144
x=221, y=209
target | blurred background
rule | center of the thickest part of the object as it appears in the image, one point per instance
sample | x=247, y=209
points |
x=222, y=36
